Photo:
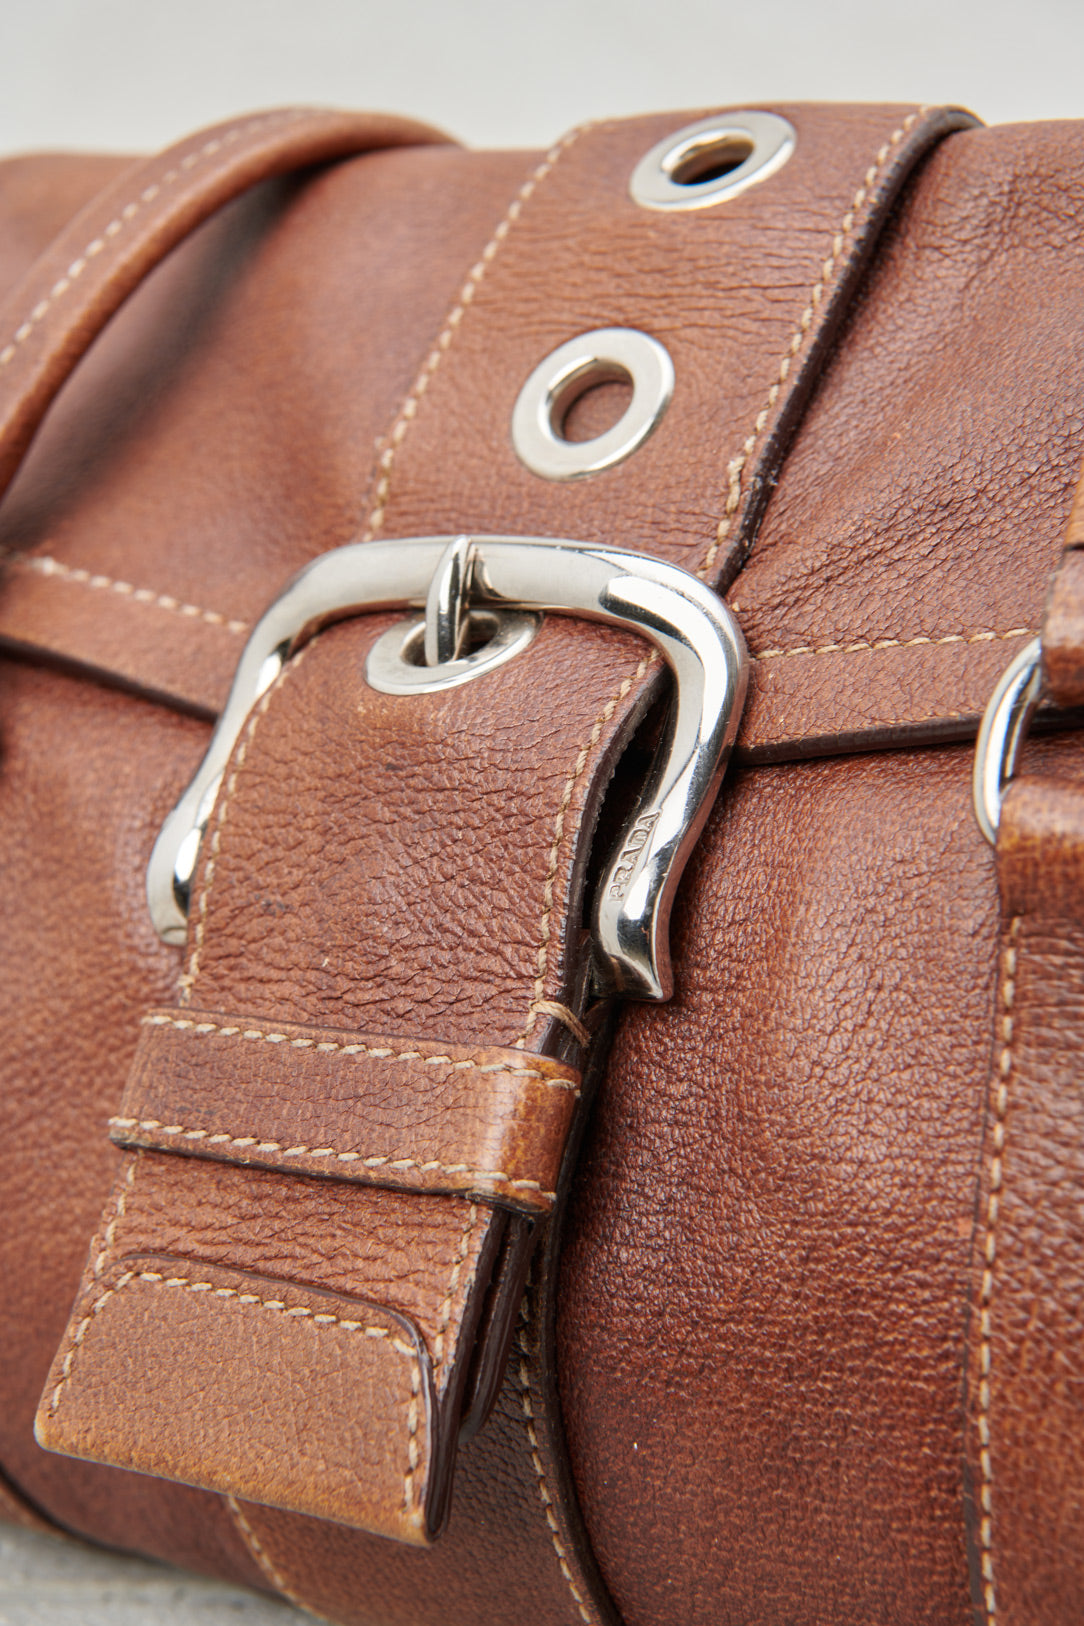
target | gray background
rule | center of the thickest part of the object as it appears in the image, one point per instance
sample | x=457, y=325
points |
x=129, y=75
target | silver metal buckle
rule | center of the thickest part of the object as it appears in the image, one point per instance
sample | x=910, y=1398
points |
x=1003, y=731
x=689, y=624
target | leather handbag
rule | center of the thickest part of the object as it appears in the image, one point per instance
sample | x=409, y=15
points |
x=459, y=1162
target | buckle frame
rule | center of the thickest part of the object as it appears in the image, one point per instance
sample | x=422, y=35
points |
x=689, y=625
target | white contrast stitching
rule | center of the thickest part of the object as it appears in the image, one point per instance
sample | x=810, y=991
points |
x=543, y=1489
x=737, y=466
x=562, y=1014
x=412, y=1435
x=127, y=214
x=986, y=1292
x=262, y=1557
x=254, y=1143
x=409, y=409
x=864, y=644
x=44, y=565
x=158, y=1278
x=546, y=924
x=325, y=1047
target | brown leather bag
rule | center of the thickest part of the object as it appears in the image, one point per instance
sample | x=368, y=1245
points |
x=428, y=1279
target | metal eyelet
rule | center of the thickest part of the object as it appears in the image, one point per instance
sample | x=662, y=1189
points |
x=712, y=161
x=568, y=372
x=1002, y=733
x=394, y=665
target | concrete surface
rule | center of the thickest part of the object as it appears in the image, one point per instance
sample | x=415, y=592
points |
x=46, y=1582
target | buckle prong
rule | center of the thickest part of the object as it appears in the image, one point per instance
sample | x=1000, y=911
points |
x=446, y=616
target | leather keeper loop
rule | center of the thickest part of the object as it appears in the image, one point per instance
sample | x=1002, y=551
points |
x=414, y=1116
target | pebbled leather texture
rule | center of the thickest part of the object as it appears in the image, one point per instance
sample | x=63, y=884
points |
x=759, y=1332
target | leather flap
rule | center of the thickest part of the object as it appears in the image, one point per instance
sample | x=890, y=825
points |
x=189, y=1370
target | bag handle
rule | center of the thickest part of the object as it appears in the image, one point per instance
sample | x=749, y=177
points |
x=50, y=319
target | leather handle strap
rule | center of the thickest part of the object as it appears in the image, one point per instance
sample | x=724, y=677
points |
x=51, y=318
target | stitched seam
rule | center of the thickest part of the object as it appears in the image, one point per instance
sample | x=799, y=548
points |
x=128, y=213
x=187, y=979
x=253, y=1142
x=524, y=1376
x=158, y=1279
x=562, y=1014
x=409, y=409
x=44, y=565
x=453, y=1282
x=864, y=644
x=736, y=468
x=986, y=1293
x=110, y=1232
x=261, y=1556
x=546, y=925
x=470, y=1064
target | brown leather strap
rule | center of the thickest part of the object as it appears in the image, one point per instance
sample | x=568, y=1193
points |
x=54, y=314
x=1025, y=1444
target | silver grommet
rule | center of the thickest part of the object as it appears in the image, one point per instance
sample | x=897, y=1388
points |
x=712, y=161
x=608, y=354
x=1002, y=732
x=396, y=663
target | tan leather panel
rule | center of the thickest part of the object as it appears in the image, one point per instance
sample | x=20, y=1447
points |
x=223, y=1349
x=414, y=1116
x=183, y=392
x=1025, y=1442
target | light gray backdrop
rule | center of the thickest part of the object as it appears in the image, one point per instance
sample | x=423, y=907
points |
x=130, y=75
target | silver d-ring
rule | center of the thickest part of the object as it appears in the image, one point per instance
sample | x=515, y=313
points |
x=600, y=357
x=1002, y=732
x=712, y=160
